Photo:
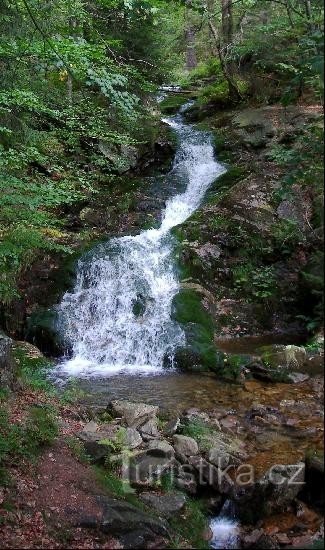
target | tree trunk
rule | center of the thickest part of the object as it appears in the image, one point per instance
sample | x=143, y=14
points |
x=72, y=26
x=234, y=93
x=191, y=60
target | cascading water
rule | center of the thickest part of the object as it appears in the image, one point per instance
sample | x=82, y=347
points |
x=118, y=316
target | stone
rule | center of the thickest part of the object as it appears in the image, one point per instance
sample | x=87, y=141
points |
x=8, y=367
x=133, y=414
x=150, y=430
x=272, y=493
x=298, y=377
x=219, y=457
x=162, y=446
x=133, y=527
x=185, y=445
x=290, y=356
x=172, y=426
x=147, y=466
x=186, y=483
x=92, y=435
x=167, y=505
x=132, y=438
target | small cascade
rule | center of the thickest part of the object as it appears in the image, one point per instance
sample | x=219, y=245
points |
x=225, y=529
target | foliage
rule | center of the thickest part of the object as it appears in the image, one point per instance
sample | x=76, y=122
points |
x=23, y=441
x=33, y=371
x=255, y=282
x=191, y=526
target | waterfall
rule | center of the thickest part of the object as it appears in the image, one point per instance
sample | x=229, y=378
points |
x=118, y=316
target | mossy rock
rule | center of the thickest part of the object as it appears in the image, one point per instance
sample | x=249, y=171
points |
x=42, y=331
x=171, y=104
x=200, y=352
x=224, y=182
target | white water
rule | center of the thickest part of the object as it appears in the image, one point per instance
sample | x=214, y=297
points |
x=225, y=529
x=225, y=533
x=99, y=317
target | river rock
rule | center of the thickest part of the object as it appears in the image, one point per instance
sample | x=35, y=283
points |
x=149, y=430
x=172, y=426
x=167, y=505
x=132, y=438
x=185, y=445
x=163, y=446
x=220, y=457
x=272, y=493
x=94, y=435
x=133, y=414
x=147, y=466
x=133, y=527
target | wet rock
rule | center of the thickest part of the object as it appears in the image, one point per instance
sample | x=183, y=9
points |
x=167, y=505
x=291, y=357
x=133, y=414
x=8, y=368
x=251, y=539
x=314, y=492
x=298, y=377
x=133, y=527
x=184, y=445
x=42, y=331
x=132, y=438
x=272, y=493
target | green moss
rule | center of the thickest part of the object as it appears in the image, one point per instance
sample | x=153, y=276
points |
x=190, y=526
x=171, y=104
x=32, y=371
x=225, y=182
x=200, y=351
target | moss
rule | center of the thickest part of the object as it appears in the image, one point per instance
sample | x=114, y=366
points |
x=200, y=351
x=190, y=526
x=226, y=181
x=32, y=371
x=171, y=104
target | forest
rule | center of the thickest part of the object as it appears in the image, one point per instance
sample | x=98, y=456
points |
x=161, y=211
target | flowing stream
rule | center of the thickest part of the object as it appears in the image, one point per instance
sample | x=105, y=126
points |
x=118, y=316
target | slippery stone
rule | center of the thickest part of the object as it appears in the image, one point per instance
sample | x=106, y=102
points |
x=185, y=445
x=133, y=414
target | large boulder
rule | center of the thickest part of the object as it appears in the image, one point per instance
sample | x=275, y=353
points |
x=133, y=414
x=146, y=467
x=133, y=527
x=272, y=493
x=185, y=445
x=166, y=505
